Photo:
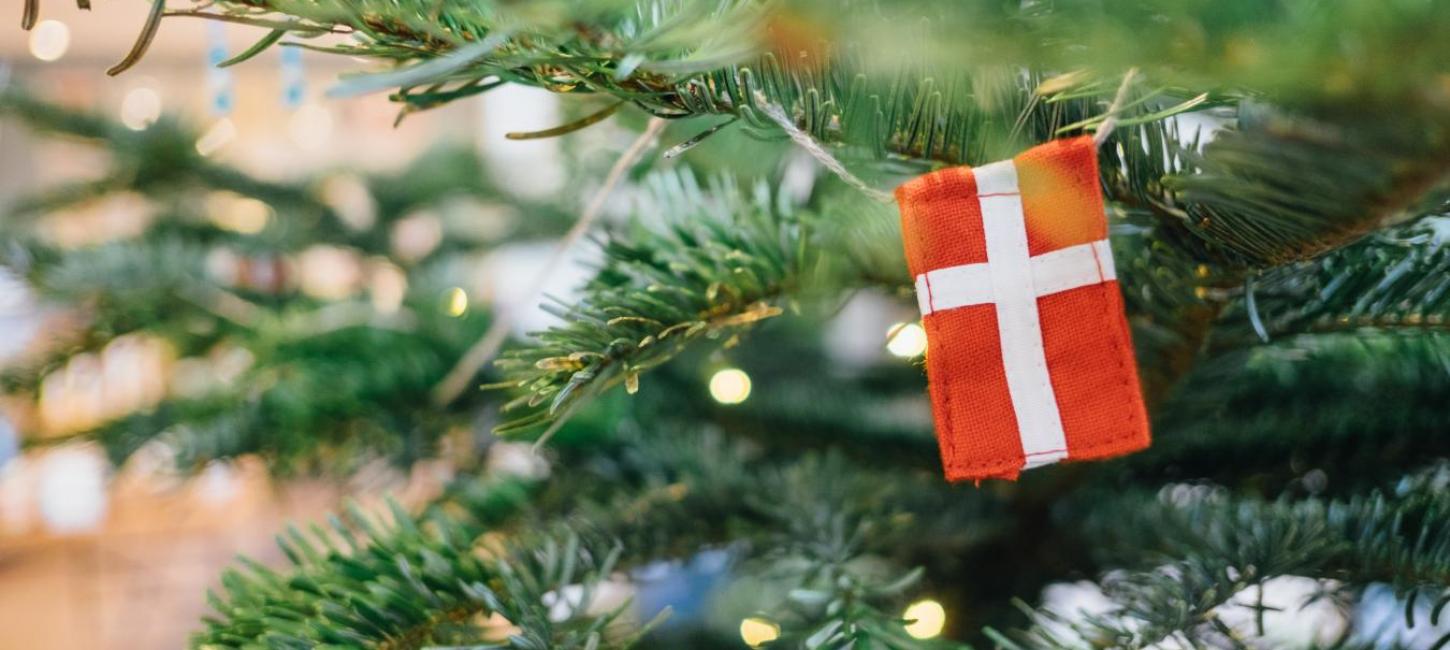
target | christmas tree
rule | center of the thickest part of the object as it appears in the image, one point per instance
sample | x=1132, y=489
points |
x=1277, y=182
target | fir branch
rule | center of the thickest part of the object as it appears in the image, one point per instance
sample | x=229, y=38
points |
x=725, y=261
x=1398, y=280
x=1281, y=189
x=1248, y=194
x=825, y=529
x=1264, y=417
x=821, y=523
x=413, y=583
x=1203, y=551
x=480, y=353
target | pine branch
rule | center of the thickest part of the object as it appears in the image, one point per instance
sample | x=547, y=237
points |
x=725, y=261
x=1246, y=195
x=1204, y=551
x=1280, y=189
x=823, y=528
x=1399, y=280
x=434, y=577
x=1263, y=417
x=413, y=583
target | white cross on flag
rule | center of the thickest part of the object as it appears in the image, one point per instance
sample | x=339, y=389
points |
x=1029, y=356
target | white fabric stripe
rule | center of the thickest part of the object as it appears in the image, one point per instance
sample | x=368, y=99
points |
x=923, y=295
x=1104, y=254
x=1020, y=330
x=1072, y=267
x=1052, y=272
x=956, y=286
x=997, y=178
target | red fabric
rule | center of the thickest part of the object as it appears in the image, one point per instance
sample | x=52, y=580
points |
x=1085, y=336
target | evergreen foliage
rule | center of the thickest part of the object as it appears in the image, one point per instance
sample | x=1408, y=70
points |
x=1284, y=272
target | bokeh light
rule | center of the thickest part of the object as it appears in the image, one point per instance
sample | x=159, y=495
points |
x=49, y=40
x=758, y=631
x=140, y=108
x=455, y=302
x=730, y=386
x=237, y=213
x=906, y=340
x=925, y=619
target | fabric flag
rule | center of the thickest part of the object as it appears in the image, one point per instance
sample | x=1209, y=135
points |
x=1029, y=358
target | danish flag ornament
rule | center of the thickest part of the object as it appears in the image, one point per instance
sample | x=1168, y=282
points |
x=1029, y=358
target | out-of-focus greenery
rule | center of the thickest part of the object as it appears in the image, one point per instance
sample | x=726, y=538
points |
x=1283, y=273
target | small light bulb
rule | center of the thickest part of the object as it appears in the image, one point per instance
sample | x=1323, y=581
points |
x=456, y=302
x=49, y=40
x=237, y=213
x=906, y=340
x=758, y=631
x=730, y=386
x=140, y=108
x=925, y=619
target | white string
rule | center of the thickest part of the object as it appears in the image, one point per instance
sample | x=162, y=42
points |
x=487, y=347
x=1111, y=122
x=817, y=151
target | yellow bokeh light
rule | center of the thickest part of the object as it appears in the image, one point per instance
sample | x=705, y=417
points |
x=925, y=619
x=906, y=340
x=758, y=631
x=456, y=302
x=237, y=213
x=49, y=40
x=730, y=386
x=140, y=108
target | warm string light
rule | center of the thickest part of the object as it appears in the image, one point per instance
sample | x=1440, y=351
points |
x=925, y=619
x=140, y=108
x=455, y=302
x=730, y=386
x=906, y=340
x=237, y=213
x=758, y=631
x=49, y=40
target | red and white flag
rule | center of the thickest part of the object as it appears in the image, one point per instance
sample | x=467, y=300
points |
x=1029, y=357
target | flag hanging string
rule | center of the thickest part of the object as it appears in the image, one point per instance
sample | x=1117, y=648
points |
x=830, y=162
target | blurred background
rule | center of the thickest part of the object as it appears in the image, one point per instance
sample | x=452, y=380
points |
x=233, y=298
x=228, y=300
x=96, y=557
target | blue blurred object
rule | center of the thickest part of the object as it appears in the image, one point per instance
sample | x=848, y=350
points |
x=9, y=441
x=685, y=588
x=221, y=88
x=294, y=78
